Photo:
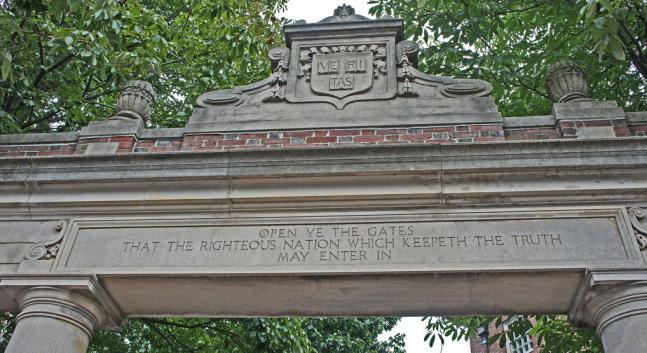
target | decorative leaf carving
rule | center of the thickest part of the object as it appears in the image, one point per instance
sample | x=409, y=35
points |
x=48, y=249
x=639, y=223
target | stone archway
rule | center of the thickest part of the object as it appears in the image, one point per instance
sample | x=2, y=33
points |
x=404, y=196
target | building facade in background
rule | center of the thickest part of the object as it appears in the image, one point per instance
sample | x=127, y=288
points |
x=518, y=344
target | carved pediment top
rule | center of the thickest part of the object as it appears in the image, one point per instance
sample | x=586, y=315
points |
x=333, y=65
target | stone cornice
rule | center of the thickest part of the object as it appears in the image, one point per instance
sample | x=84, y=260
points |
x=401, y=159
x=475, y=175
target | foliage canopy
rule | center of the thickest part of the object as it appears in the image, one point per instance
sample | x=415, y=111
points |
x=64, y=61
x=512, y=43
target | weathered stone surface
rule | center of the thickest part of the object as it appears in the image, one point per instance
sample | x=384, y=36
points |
x=636, y=117
x=115, y=127
x=102, y=148
x=595, y=132
x=55, y=137
x=517, y=122
x=588, y=110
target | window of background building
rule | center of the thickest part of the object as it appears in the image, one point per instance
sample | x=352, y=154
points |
x=520, y=343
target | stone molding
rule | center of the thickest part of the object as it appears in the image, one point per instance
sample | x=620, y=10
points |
x=63, y=305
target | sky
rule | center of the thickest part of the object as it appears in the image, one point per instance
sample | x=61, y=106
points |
x=412, y=327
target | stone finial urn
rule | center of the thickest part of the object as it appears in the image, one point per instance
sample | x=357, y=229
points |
x=566, y=82
x=136, y=101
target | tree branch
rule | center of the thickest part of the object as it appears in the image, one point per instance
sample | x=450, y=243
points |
x=40, y=119
x=636, y=55
x=41, y=51
x=536, y=5
x=41, y=74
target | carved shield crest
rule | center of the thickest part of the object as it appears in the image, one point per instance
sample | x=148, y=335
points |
x=342, y=74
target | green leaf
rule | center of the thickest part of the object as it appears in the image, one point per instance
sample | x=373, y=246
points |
x=606, y=5
x=6, y=65
x=616, y=49
x=69, y=40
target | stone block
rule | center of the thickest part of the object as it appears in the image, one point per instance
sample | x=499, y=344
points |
x=102, y=148
x=595, y=132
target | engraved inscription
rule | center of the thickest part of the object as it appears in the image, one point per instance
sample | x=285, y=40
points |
x=343, y=247
x=344, y=81
x=342, y=74
x=328, y=66
x=341, y=82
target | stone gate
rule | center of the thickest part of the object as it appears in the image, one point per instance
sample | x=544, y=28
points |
x=346, y=183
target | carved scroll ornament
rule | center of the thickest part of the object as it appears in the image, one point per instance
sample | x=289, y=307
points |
x=409, y=76
x=48, y=249
x=273, y=86
x=639, y=223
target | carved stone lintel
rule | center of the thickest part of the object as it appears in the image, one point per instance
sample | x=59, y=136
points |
x=48, y=249
x=639, y=222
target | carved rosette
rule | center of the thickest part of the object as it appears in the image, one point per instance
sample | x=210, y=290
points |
x=135, y=101
x=48, y=249
x=280, y=58
x=639, y=222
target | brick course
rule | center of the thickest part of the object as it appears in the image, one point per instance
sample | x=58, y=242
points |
x=449, y=134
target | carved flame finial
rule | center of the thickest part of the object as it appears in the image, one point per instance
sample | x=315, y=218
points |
x=344, y=11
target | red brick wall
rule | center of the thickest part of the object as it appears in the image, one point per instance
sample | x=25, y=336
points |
x=450, y=134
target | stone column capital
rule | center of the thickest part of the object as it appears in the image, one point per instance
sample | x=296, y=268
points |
x=56, y=318
x=608, y=296
x=80, y=300
x=61, y=304
x=615, y=302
